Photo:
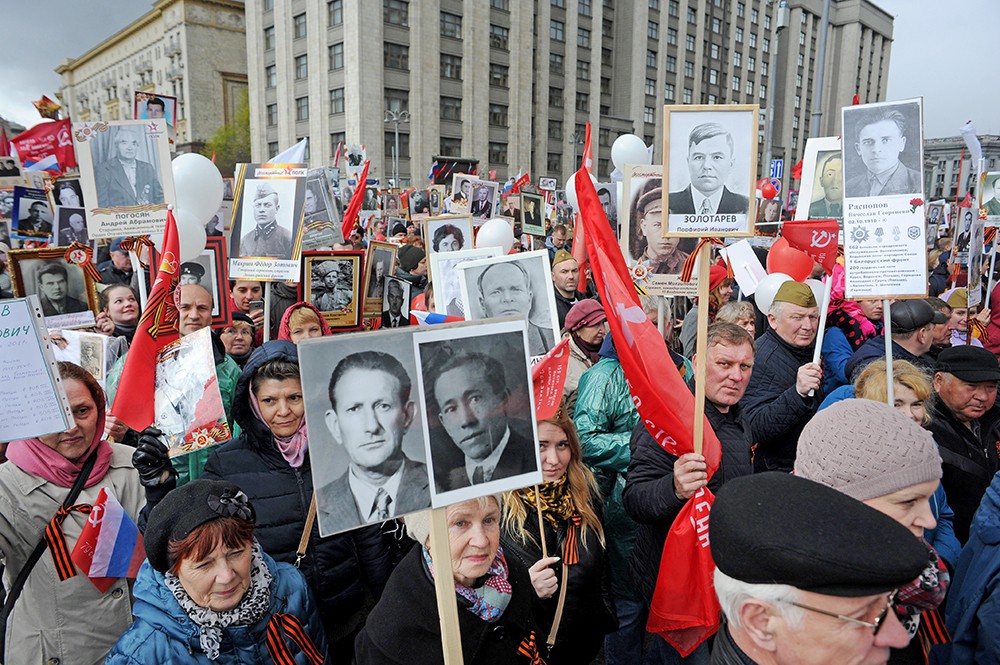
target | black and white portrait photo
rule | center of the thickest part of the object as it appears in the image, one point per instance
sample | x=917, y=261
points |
x=484, y=196
x=515, y=285
x=67, y=192
x=318, y=200
x=477, y=388
x=607, y=194
x=769, y=213
x=447, y=279
x=828, y=186
x=989, y=195
x=67, y=295
x=531, y=214
x=396, y=304
x=32, y=219
x=71, y=226
x=127, y=171
x=365, y=434
x=461, y=194
x=448, y=233
x=331, y=282
x=883, y=149
x=435, y=194
x=378, y=268
x=419, y=202
x=711, y=168
x=10, y=171
x=267, y=225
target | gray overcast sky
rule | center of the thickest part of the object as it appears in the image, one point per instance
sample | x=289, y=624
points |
x=933, y=55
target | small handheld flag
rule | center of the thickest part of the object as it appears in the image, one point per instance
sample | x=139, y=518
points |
x=110, y=546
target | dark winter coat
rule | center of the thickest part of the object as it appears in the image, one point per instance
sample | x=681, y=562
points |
x=649, y=489
x=775, y=410
x=346, y=572
x=874, y=349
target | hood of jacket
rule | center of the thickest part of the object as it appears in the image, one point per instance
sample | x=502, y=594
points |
x=608, y=348
x=258, y=433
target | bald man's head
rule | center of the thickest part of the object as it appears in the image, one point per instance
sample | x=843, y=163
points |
x=194, y=308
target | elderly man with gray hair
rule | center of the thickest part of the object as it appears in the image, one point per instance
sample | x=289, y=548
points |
x=784, y=390
x=123, y=179
x=267, y=238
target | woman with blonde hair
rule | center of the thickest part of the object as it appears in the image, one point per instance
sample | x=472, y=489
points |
x=559, y=522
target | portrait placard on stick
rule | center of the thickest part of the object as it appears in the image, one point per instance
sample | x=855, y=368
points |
x=379, y=262
x=65, y=288
x=989, y=197
x=331, y=282
x=31, y=390
x=884, y=226
x=447, y=279
x=126, y=176
x=822, y=190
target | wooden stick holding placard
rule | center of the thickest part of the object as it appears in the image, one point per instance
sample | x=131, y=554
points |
x=890, y=398
x=267, y=311
x=823, y=307
x=541, y=524
x=444, y=589
x=701, y=354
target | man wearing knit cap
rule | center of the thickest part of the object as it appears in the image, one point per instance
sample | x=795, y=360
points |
x=565, y=279
x=913, y=328
x=806, y=575
x=412, y=266
x=966, y=427
x=785, y=390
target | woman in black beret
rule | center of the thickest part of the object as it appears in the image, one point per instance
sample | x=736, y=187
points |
x=209, y=593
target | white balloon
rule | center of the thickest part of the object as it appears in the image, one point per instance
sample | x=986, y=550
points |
x=198, y=186
x=495, y=233
x=629, y=149
x=767, y=288
x=570, y=188
x=191, y=235
x=818, y=289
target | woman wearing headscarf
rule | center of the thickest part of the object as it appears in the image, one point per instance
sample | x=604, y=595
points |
x=578, y=590
x=494, y=596
x=586, y=326
x=208, y=593
x=61, y=616
x=302, y=321
x=850, y=323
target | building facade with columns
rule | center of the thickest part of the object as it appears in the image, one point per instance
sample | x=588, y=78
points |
x=948, y=169
x=513, y=83
x=194, y=50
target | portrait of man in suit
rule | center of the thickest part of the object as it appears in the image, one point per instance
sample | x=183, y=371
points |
x=36, y=222
x=992, y=205
x=268, y=237
x=710, y=161
x=482, y=206
x=469, y=391
x=505, y=290
x=831, y=179
x=880, y=142
x=53, y=290
x=370, y=412
x=123, y=179
x=393, y=315
x=72, y=226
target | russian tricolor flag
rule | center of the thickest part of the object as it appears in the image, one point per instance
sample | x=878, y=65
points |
x=430, y=318
x=110, y=546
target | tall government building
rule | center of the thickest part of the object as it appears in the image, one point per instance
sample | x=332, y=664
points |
x=512, y=82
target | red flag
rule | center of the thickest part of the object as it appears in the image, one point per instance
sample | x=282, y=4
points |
x=815, y=237
x=44, y=139
x=684, y=610
x=966, y=202
x=157, y=327
x=579, y=239
x=797, y=171
x=493, y=174
x=351, y=214
x=47, y=108
x=4, y=143
x=548, y=377
x=336, y=155
x=856, y=100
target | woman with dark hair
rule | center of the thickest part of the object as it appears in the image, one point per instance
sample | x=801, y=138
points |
x=646, y=243
x=61, y=615
x=448, y=238
x=569, y=502
x=119, y=311
x=209, y=593
x=270, y=461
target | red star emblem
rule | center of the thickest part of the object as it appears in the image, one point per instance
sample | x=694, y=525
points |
x=152, y=127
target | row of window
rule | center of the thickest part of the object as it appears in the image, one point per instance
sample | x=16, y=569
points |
x=557, y=33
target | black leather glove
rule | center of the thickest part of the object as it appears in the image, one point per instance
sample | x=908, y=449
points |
x=151, y=459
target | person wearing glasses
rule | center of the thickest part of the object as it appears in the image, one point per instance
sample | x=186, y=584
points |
x=882, y=457
x=806, y=574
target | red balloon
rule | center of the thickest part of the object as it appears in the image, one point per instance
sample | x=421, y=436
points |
x=793, y=262
x=762, y=182
x=768, y=191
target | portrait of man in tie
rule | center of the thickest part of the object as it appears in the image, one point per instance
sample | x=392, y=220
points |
x=396, y=304
x=711, y=158
x=830, y=179
x=882, y=150
x=370, y=410
x=124, y=179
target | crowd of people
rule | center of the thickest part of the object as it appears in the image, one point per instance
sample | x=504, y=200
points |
x=845, y=529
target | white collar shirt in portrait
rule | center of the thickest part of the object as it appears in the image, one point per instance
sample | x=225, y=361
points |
x=706, y=205
x=365, y=493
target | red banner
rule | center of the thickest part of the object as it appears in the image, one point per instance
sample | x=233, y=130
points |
x=815, y=237
x=548, y=377
x=351, y=214
x=684, y=610
x=44, y=139
x=519, y=183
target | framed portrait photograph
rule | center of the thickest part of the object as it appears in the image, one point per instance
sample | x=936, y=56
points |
x=822, y=188
x=418, y=204
x=608, y=194
x=379, y=263
x=514, y=285
x=476, y=386
x=883, y=149
x=548, y=184
x=66, y=191
x=228, y=184
x=769, y=213
x=447, y=279
x=461, y=193
x=208, y=270
x=989, y=197
x=153, y=106
x=6, y=202
x=266, y=239
x=531, y=214
x=656, y=259
x=710, y=169
x=118, y=202
x=331, y=282
x=347, y=380
x=484, y=199
x=936, y=221
x=217, y=226
x=66, y=292
x=435, y=196
x=70, y=226
x=10, y=172
x=448, y=233
x=396, y=304
x=318, y=199
x=32, y=218
x=792, y=200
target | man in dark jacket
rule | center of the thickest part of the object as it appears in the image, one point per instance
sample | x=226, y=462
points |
x=913, y=327
x=785, y=391
x=659, y=484
x=966, y=427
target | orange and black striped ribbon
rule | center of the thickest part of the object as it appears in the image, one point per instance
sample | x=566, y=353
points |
x=282, y=625
x=979, y=329
x=134, y=244
x=87, y=264
x=989, y=235
x=529, y=649
x=57, y=541
x=688, y=270
x=932, y=630
x=571, y=546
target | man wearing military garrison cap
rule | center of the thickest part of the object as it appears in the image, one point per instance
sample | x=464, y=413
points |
x=777, y=402
x=268, y=238
x=806, y=574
